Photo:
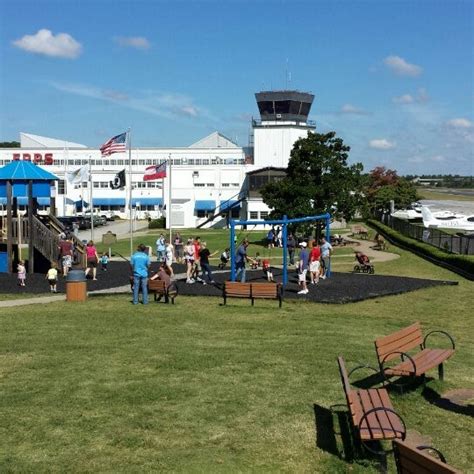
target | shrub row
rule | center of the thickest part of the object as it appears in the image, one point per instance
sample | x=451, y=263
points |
x=157, y=223
x=464, y=263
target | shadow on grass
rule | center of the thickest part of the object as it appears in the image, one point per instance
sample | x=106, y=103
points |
x=334, y=435
x=446, y=404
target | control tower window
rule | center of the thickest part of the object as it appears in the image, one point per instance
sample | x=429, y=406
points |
x=266, y=107
x=305, y=106
x=295, y=108
x=282, y=106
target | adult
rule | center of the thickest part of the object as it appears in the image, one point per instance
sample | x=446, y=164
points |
x=270, y=236
x=303, y=268
x=92, y=259
x=204, y=255
x=241, y=258
x=163, y=274
x=66, y=250
x=140, y=263
x=326, y=251
x=160, y=248
x=189, y=259
x=197, y=249
x=279, y=237
x=314, y=263
x=169, y=252
x=178, y=247
x=291, y=245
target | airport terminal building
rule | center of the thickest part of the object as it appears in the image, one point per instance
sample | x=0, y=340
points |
x=212, y=180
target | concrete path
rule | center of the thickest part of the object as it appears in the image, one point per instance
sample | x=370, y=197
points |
x=27, y=301
x=365, y=246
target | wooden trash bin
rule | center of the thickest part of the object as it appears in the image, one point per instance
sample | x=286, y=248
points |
x=76, y=286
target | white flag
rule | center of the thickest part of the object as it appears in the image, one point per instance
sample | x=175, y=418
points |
x=80, y=175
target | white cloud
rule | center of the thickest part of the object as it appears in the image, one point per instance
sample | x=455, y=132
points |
x=401, y=67
x=137, y=42
x=460, y=123
x=352, y=109
x=404, y=99
x=168, y=105
x=44, y=42
x=381, y=144
x=438, y=158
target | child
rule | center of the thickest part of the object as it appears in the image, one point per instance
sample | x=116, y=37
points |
x=21, y=273
x=267, y=270
x=104, y=261
x=225, y=255
x=256, y=263
x=52, y=277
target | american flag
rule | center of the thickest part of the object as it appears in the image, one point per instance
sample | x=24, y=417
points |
x=114, y=145
x=155, y=172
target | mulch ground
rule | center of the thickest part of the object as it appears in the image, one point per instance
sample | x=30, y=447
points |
x=340, y=288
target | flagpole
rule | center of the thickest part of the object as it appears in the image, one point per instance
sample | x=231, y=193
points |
x=169, y=200
x=65, y=156
x=129, y=137
x=92, y=200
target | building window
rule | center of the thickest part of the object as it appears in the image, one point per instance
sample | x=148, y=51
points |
x=253, y=215
x=263, y=214
x=199, y=185
x=210, y=185
x=236, y=185
x=225, y=185
x=96, y=185
x=61, y=186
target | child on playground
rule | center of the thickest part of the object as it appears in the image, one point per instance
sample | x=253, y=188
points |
x=104, y=261
x=256, y=262
x=52, y=277
x=267, y=270
x=225, y=255
x=21, y=270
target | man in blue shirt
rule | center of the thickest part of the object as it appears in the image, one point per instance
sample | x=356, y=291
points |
x=240, y=259
x=140, y=263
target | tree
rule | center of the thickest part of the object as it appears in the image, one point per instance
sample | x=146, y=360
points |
x=10, y=145
x=384, y=185
x=318, y=180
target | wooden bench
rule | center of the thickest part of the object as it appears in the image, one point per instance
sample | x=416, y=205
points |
x=159, y=289
x=252, y=291
x=371, y=412
x=414, y=460
x=398, y=344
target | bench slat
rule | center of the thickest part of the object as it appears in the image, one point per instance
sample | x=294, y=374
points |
x=395, y=336
x=425, y=360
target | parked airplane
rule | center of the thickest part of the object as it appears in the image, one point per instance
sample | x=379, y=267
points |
x=458, y=223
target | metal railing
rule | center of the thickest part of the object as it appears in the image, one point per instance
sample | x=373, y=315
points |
x=452, y=243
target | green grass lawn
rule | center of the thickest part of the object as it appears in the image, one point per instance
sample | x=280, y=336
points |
x=196, y=387
x=433, y=194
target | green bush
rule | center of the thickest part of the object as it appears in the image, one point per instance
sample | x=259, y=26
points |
x=157, y=223
x=462, y=262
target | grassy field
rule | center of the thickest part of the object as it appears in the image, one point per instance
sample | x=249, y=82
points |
x=436, y=195
x=196, y=387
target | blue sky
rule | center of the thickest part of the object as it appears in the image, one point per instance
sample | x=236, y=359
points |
x=394, y=79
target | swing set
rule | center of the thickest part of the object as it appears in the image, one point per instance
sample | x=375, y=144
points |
x=284, y=223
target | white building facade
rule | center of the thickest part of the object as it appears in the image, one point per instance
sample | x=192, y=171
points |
x=207, y=178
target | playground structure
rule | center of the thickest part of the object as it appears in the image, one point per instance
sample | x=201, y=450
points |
x=284, y=223
x=26, y=183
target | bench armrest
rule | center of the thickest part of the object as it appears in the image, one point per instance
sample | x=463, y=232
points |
x=385, y=409
x=439, y=332
x=362, y=366
x=403, y=354
x=437, y=451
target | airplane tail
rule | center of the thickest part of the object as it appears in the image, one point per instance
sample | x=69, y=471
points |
x=427, y=216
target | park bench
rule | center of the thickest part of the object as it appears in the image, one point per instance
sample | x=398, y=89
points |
x=360, y=231
x=159, y=289
x=400, y=343
x=371, y=413
x=414, y=460
x=252, y=291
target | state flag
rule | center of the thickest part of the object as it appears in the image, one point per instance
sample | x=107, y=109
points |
x=155, y=172
x=81, y=175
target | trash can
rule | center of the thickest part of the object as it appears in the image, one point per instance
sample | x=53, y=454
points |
x=76, y=286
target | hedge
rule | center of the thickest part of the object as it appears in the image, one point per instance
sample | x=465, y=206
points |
x=462, y=264
x=159, y=223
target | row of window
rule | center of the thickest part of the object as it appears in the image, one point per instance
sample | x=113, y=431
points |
x=255, y=215
x=144, y=162
x=106, y=185
x=211, y=185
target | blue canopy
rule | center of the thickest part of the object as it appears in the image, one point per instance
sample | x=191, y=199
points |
x=229, y=204
x=24, y=171
x=23, y=201
x=109, y=201
x=147, y=201
x=205, y=205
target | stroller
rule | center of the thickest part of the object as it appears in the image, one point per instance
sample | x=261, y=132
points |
x=363, y=265
x=224, y=259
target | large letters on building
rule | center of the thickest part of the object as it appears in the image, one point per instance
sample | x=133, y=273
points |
x=38, y=158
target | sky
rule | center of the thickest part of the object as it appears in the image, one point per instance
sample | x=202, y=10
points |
x=393, y=79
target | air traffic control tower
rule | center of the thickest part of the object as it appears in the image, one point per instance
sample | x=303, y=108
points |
x=283, y=120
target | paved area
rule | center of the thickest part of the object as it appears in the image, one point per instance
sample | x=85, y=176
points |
x=120, y=228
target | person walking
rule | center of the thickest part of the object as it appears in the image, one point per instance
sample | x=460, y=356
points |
x=291, y=245
x=104, y=262
x=303, y=268
x=52, y=277
x=189, y=258
x=314, y=263
x=169, y=253
x=140, y=263
x=204, y=255
x=66, y=250
x=160, y=248
x=92, y=259
x=241, y=258
x=178, y=247
x=326, y=251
